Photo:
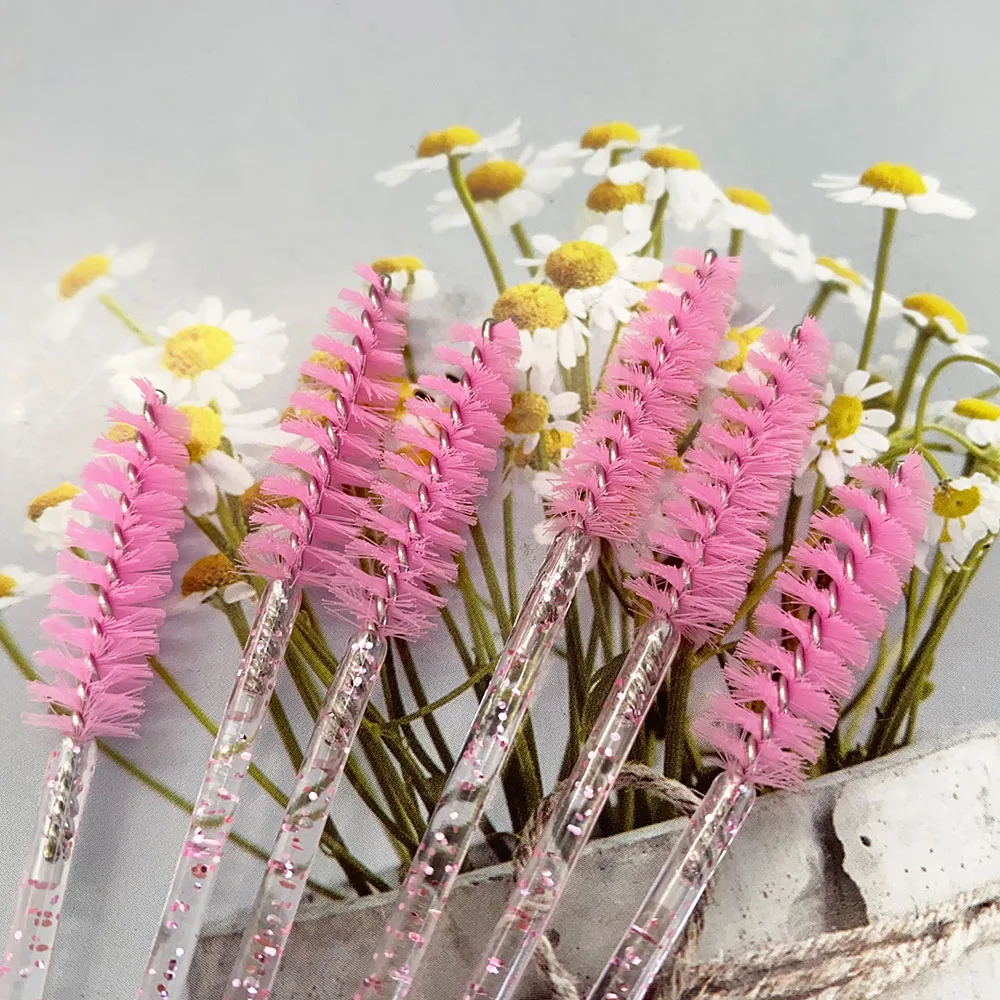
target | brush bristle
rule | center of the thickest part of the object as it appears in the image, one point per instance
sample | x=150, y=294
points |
x=428, y=489
x=738, y=473
x=863, y=565
x=108, y=612
x=658, y=369
x=339, y=415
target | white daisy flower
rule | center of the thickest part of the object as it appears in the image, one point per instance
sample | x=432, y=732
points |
x=677, y=172
x=978, y=419
x=621, y=208
x=598, y=282
x=847, y=432
x=212, y=575
x=885, y=368
x=894, y=185
x=550, y=333
x=964, y=511
x=746, y=211
x=733, y=351
x=456, y=140
x=505, y=191
x=608, y=140
x=409, y=276
x=538, y=428
x=206, y=352
x=926, y=311
x=88, y=279
x=18, y=584
x=49, y=515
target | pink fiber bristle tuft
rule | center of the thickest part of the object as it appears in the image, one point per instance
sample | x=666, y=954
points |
x=608, y=480
x=737, y=476
x=106, y=606
x=339, y=415
x=827, y=605
x=419, y=505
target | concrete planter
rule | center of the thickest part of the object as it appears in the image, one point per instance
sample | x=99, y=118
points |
x=879, y=841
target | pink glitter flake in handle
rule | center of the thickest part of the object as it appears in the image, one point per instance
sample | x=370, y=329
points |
x=607, y=484
x=783, y=693
x=354, y=400
x=739, y=472
x=104, y=630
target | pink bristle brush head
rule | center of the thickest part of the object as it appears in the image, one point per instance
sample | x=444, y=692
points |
x=647, y=398
x=355, y=393
x=109, y=609
x=737, y=476
x=831, y=598
x=424, y=503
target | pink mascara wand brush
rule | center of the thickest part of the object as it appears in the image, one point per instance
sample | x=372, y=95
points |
x=739, y=471
x=827, y=605
x=340, y=417
x=105, y=627
x=416, y=509
x=608, y=481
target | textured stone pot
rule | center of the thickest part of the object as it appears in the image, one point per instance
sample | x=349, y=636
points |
x=879, y=841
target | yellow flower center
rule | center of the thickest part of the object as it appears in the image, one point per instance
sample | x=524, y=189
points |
x=7, y=585
x=744, y=339
x=330, y=361
x=530, y=306
x=436, y=143
x=528, y=413
x=121, y=432
x=977, y=409
x=897, y=178
x=610, y=197
x=206, y=430
x=82, y=273
x=749, y=199
x=407, y=390
x=196, y=349
x=598, y=136
x=491, y=181
x=933, y=307
x=672, y=158
x=580, y=264
x=844, y=417
x=51, y=498
x=252, y=498
x=551, y=443
x=951, y=503
x=841, y=270
x=392, y=265
x=208, y=573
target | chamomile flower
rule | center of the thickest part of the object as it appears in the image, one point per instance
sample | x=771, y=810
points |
x=745, y=211
x=733, y=351
x=964, y=511
x=88, y=279
x=409, y=276
x=609, y=138
x=212, y=575
x=926, y=311
x=848, y=432
x=620, y=208
x=677, y=172
x=550, y=333
x=978, y=419
x=49, y=514
x=598, y=282
x=208, y=353
x=894, y=185
x=18, y=584
x=885, y=368
x=456, y=140
x=505, y=191
x=538, y=428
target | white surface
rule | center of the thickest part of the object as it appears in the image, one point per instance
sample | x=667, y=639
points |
x=241, y=138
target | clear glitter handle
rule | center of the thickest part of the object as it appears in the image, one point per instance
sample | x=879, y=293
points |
x=575, y=813
x=284, y=880
x=211, y=822
x=40, y=897
x=660, y=922
x=452, y=827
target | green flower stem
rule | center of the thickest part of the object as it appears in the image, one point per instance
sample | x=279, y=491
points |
x=411, y=368
x=935, y=374
x=213, y=534
x=523, y=244
x=862, y=698
x=615, y=337
x=675, y=742
x=116, y=310
x=585, y=387
x=602, y=619
x=913, y=363
x=510, y=553
x=399, y=796
x=456, y=637
x=492, y=580
x=420, y=696
x=735, y=242
x=825, y=290
x=576, y=691
x=393, y=693
x=478, y=629
x=656, y=226
x=790, y=529
x=881, y=267
x=426, y=710
x=462, y=190
x=13, y=650
x=298, y=670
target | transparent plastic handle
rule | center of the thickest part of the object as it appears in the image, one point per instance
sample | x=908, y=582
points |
x=575, y=813
x=215, y=807
x=657, y=927
x=284, y=881
x=452, y=826
x=40, y=896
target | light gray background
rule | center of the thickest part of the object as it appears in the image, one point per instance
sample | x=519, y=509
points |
x=241, y=138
